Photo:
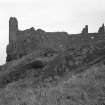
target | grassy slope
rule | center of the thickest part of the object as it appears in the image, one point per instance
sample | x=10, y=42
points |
x=87, y=88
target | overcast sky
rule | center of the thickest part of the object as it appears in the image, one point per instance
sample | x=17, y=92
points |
x=50, y=15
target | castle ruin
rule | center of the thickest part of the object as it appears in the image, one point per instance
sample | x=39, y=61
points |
x=23, y=42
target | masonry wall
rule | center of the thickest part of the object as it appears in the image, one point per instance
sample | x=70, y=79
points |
x=24, y=42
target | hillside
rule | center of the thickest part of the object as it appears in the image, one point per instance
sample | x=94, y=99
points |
x=74, y=76
x=87, y=88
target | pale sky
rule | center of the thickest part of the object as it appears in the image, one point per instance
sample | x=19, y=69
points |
x=50, y=15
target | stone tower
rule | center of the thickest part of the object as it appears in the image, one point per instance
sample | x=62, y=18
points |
x=11, y=48
x=13, y=28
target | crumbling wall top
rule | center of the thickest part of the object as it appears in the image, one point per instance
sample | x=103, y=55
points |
x=85, y=30
x=101, y=29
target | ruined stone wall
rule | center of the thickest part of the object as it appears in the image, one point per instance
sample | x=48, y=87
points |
x=24, y=42
x=30, y=40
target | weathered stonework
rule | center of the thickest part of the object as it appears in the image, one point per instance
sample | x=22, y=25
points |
x=101, y=29
x=24, y=42
x=85, y=30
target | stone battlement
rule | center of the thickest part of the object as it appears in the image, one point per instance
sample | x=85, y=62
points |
x=24, y=42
